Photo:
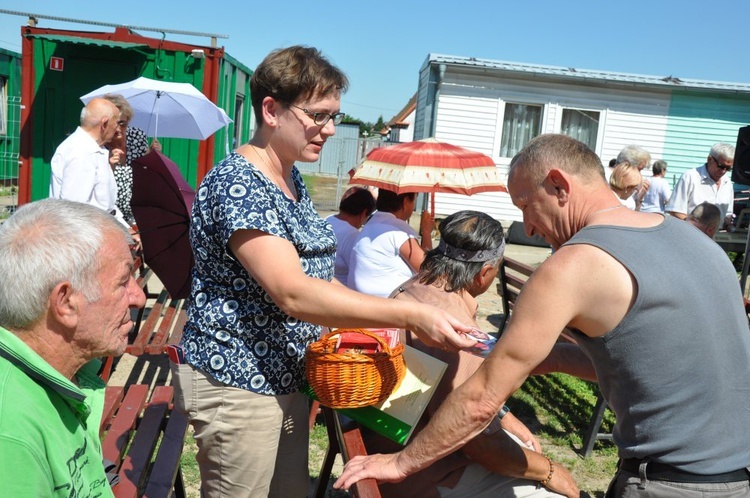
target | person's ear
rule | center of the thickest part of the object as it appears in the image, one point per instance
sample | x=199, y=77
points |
x=270, y=110
x=480, y=280
x=64, y=305
x=559, y=181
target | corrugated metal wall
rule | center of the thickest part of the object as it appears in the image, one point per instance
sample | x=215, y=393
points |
x=10, y=126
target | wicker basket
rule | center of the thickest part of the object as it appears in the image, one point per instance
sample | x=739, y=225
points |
x=353, y=380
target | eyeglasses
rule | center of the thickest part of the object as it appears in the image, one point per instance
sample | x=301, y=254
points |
x=722, y=167
x=321, y=118
x=122, y=123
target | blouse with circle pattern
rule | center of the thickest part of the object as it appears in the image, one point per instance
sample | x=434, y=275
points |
x=235, y=332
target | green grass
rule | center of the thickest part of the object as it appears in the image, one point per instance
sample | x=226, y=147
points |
x=556, y=407
x=310, y=183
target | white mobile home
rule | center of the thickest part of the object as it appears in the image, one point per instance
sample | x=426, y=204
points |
x=496, y=107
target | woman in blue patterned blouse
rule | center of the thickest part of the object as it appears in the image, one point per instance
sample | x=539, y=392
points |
x=262, y=289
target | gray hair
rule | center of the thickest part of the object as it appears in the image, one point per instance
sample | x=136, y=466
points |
x=467, y=230
x=42, y=244
x=722, y=152
x=659, y=167
x=126, y=111
x=635, y=155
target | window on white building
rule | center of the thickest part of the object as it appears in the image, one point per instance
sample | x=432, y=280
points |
x=521, y=123
x=581, y=125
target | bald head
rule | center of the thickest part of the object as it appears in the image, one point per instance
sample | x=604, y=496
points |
x=99, y=118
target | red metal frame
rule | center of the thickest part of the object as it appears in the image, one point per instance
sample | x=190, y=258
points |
x=213, y=56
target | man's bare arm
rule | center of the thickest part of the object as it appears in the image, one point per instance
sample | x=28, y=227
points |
x=529, y=338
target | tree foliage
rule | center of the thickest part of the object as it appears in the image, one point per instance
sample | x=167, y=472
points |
x=366, y=129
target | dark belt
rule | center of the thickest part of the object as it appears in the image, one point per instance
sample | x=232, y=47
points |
x=663, y=472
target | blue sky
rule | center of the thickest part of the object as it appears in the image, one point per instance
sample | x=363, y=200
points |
x=381, y=46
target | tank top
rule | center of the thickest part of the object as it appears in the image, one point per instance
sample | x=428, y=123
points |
x=676, y=369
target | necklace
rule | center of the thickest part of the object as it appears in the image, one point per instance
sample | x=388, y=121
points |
x=279, y=176
x=603, y=211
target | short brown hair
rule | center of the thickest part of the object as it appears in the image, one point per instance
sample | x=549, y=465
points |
x=557, y=151
x=288, y=74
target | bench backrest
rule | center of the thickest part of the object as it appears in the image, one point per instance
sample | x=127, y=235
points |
x=512, y=276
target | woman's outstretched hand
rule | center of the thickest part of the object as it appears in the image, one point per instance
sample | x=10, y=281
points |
x=436, y=328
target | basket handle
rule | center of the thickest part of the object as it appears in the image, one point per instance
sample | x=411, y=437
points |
x=383, y=344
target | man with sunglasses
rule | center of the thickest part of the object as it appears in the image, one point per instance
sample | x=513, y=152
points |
x=707, y=183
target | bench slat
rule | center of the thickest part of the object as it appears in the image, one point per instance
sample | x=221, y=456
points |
x=166, y=328
x=112, y=401
x=344, y=437
x=146, y=329
x=166, y=469
x=179, y=327
x=118, y=434
x=136, y=462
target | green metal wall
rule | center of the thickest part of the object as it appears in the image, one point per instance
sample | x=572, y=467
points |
x=697, y=121
x=234, y=97
x=90, y=64
x=10, y=70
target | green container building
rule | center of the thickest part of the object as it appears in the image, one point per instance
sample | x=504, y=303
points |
x=58, y=66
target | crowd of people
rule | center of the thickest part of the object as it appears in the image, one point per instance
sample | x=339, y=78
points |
x=669, y=349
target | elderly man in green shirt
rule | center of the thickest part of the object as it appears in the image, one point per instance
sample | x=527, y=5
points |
x=65, y=297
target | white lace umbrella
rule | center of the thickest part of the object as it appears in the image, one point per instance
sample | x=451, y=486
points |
x=167, y=109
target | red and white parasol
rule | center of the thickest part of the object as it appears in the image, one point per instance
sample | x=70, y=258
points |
x=429, y=166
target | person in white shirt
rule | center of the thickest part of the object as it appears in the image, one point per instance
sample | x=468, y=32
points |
x=659, y=191
x=81, y=165
x=707, y=183
x=386, y=252
x=356, y=205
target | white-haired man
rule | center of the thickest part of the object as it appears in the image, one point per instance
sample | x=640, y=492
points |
x=66, y=294
x=82, y=167
x=707, y=183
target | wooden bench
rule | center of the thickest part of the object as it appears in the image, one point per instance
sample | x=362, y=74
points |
x=143, y=437
x=163, y=326
x=344, y=438
x=512, y=276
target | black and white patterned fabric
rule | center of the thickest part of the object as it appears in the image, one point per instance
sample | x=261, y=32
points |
x=235, y=332
x=137, y=146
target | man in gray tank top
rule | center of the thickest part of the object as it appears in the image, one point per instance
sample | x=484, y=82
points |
x=666, y=338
